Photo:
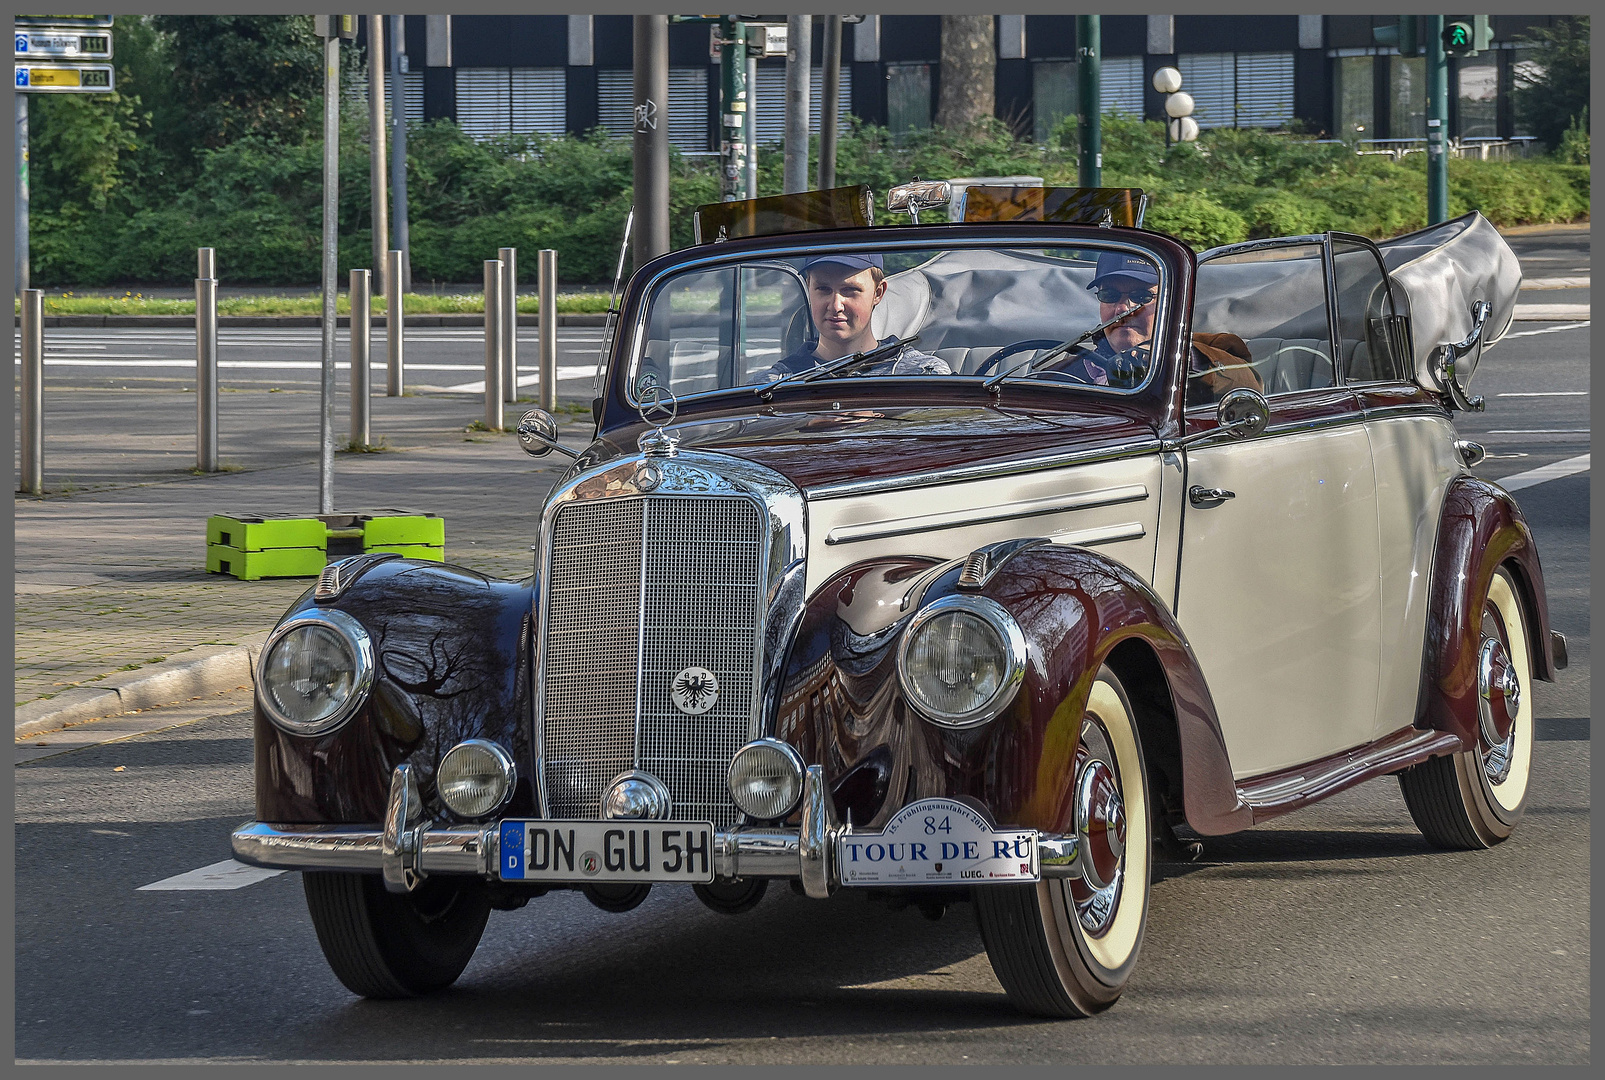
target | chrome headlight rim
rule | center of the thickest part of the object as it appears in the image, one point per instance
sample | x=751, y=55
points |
x=359, y=646
x=996, y=616
x=506, y=767
x=793, y=759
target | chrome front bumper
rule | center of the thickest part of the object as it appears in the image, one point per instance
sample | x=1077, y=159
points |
x=410, y=847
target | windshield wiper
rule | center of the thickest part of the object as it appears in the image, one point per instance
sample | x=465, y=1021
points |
x=834, y=366
x=1062, y=348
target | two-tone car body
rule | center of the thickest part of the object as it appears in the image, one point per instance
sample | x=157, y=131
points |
x=988, y=635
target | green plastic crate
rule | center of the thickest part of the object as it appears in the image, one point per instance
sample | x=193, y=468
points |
x=272, y=562
x=380, y=529
x=250, y=532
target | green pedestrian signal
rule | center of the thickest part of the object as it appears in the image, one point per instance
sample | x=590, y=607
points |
x=1457, y=39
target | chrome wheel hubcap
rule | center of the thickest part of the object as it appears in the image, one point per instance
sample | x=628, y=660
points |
x=1100, y=832
x=1498, y=702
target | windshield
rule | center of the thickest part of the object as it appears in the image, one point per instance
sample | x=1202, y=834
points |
x=1070, y=315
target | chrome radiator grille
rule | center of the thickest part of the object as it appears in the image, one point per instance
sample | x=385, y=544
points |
x=640, y=589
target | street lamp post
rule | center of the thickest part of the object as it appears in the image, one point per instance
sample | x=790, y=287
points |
x=1437, y=123
x=1089, y=55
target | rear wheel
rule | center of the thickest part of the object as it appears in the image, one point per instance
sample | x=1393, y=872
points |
x=393, y=945
x=1474, y=798
x=1066, y=947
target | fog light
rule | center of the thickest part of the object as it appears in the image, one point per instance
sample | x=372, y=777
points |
x=475, y=778
x=766, y=778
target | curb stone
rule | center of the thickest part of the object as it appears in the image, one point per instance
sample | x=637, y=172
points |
x=201, y=671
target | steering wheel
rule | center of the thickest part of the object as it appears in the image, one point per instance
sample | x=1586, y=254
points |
x=991, y=364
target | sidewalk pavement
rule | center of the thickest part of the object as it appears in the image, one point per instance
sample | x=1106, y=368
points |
x=114, y=610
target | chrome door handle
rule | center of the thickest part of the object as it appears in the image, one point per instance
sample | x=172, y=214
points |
x=1203, y=497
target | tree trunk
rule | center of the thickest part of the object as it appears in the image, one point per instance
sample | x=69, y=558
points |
x=968, y=71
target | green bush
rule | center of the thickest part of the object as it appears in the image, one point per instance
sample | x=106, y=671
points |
x=1196, y=219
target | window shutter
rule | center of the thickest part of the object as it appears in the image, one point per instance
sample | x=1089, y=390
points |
x=771, y=101
x=1264, y=89
x=484, y=101
x=1120, y=84
x=688, y=108
x=1211, y=79
x=539, y=101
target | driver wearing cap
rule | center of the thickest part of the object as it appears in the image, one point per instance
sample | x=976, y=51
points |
x=1120, y=356
x=843, y=291
x=1129, y=285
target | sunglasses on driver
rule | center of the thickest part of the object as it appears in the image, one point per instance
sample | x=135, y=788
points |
x=1109, y=294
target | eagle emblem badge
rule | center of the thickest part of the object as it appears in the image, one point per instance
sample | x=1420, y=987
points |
x=694, y=691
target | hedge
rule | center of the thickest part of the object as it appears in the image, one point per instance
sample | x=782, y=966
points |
x=259, y=204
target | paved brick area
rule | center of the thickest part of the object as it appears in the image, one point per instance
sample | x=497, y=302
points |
x=112, y=577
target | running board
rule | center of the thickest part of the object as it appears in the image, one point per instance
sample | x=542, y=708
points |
x=1290, y=789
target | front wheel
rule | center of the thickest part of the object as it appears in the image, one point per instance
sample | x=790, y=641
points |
x=1066, y=947
x=389, y=945
x=1473, y=799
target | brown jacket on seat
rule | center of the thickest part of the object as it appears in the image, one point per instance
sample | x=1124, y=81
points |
x=1221, y=363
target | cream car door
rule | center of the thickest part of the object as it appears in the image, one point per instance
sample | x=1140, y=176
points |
x=1278, y=582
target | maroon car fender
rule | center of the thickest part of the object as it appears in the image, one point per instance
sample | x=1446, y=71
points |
x=1480, y=529
x=842, y=706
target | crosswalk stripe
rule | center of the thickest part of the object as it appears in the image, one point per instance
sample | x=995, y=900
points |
x=1553, y=471
x=228, y=874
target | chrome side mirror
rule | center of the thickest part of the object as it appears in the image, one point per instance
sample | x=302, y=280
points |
x=918, y=195
x=537, y=434
x=1240, y=413
x=1447, y=367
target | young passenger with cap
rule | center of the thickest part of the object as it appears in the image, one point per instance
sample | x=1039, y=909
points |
x=1122, y=354
x=843, y=291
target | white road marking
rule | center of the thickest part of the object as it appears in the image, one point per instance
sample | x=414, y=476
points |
x=1553, y=471
x=1543, y=393
x=1556, y=283
x=1540, y=431
x=1546, y=330
x=563, y=373
x=228, y=874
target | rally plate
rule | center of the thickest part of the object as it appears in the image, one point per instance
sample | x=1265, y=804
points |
x=679, y=851
x=937, y=842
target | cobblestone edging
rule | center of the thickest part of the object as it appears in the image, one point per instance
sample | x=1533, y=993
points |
x=452, y=319
x=201, y=671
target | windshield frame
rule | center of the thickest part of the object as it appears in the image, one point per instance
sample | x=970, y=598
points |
x=645, y=284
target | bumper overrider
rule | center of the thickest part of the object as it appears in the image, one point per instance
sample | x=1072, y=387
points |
x=410, y=847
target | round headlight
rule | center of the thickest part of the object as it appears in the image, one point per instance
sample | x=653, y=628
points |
x=316, y=669
x=766, y=778
x=475, y=778
x=962, y=660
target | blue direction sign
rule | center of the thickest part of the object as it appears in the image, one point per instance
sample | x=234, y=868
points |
x=65, y=78
x=62, y=43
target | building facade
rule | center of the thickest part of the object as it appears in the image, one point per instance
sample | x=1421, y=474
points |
x=557, y=74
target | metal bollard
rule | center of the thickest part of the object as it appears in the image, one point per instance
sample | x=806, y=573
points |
x=395, y=323
x=509, y=258
x=361, y=353
x=548, y=302
x=493, y=344
x=33, y=386
x=206, y=360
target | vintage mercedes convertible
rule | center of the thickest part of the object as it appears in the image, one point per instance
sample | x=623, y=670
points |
x=984, y=561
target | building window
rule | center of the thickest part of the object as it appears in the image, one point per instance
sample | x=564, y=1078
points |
x=1479, y=96
x=688, y=105
x=1211, y=78
x=1353, y=98
x=1264, y=89
x=1407, y=86
x=499, y=101
x=1120, y=84
x=908, y=97
x=414, y=82
x=770, y=101
x=1523, y=71
x=1053, y=96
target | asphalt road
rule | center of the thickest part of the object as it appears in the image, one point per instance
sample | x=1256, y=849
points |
x=1331, y=935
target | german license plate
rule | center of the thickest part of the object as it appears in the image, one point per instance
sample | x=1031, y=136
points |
x=937, y=842
x=607, y=851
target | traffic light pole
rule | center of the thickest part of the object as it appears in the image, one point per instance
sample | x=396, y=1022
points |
x=733, y=108
x=1089, y=108
x=1437, y=123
